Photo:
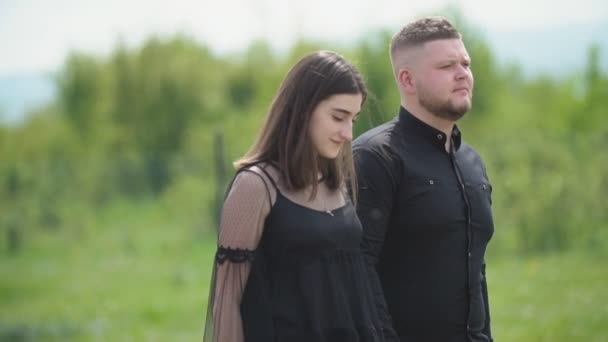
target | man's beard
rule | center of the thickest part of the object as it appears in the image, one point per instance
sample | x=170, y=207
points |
x=442, y=109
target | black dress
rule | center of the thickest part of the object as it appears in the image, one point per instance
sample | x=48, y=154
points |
x=308, y=281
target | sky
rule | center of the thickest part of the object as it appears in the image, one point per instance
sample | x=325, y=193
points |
x=546, y=36
x=36, y=35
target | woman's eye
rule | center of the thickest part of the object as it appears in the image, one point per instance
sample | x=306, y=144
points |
x=338, y=119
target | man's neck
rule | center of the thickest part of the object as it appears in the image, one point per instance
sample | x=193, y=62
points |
x=444, y=125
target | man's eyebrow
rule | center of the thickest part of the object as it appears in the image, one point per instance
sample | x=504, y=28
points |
x=453, y=59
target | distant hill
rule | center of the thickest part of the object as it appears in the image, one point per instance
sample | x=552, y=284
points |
x=559, y=51
x=20, y=93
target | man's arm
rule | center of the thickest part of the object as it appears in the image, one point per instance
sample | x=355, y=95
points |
x=374, y=206
x=484, y=292
x=484, y=284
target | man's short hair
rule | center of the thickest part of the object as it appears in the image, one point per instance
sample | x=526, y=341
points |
x=421, y=31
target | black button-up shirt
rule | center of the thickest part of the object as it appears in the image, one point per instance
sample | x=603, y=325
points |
x=427, y=220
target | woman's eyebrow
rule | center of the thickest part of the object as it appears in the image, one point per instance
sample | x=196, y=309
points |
x=341, y=110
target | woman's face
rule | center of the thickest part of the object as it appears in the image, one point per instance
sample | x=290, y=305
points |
x=331, y=124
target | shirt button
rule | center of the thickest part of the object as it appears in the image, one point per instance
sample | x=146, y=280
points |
x=469, y=254
x=431, y=182
x=483, y=186
x=439, y=136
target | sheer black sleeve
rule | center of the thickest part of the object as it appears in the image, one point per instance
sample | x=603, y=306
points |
x=245, y=208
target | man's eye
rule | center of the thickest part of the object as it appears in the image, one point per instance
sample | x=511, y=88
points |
x=338, y=119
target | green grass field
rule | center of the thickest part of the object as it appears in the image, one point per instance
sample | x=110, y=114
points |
x=147, y=277
x=553, y=298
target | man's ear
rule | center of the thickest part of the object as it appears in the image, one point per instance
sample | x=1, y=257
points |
x=406, y=82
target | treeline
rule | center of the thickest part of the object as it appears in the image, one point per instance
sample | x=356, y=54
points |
x=143, y=122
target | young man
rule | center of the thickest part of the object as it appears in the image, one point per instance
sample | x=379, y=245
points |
x=425, y=197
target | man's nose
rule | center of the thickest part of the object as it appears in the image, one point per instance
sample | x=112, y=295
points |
x=463, y=72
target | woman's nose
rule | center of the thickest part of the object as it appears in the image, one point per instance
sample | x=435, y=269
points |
x=347, y=132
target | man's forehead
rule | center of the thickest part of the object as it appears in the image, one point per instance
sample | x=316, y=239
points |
x=444, y=45
x=445, y=48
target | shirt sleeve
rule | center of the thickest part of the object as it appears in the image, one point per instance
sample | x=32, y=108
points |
x=484, y=292
x=246, y=206
x=374, y=206
x=484, y=284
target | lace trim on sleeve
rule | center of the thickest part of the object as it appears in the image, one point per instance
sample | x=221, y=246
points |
x=234, y=255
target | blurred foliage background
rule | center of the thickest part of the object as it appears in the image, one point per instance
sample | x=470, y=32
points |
x=109, y=194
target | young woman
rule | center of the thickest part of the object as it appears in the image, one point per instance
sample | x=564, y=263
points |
x=288, y=265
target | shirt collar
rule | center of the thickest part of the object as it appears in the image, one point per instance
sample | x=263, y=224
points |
x=426, y=131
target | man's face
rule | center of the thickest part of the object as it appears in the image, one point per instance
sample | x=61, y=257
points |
x=443, y=79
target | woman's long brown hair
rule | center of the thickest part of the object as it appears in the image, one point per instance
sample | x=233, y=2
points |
x=284, y=139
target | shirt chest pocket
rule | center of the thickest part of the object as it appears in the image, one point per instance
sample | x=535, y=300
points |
x=480, y=198
x=419, y=189
x=481, y=190
x=430, y=202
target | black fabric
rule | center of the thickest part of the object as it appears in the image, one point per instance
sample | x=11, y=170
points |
x=308, y=279
x=427, y=220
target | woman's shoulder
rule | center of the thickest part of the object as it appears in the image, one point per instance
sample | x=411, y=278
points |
x=258, y=179
x=267, y=171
